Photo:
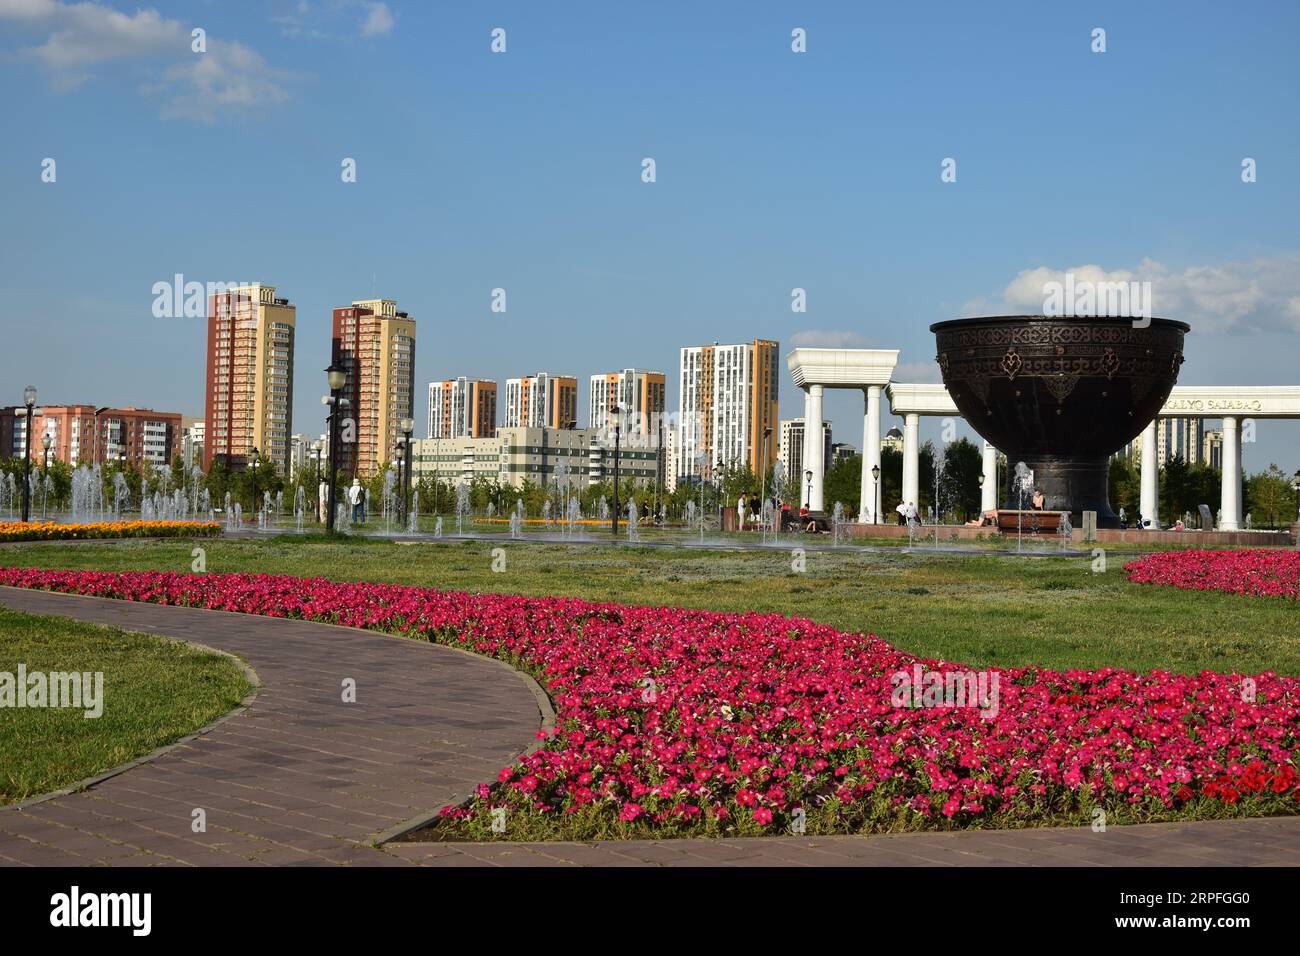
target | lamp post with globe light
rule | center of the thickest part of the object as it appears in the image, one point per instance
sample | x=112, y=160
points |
x=336, y=379
x=875, y=494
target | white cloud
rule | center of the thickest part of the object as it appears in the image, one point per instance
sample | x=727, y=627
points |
x=229, y=77
x=828, y=339
x=1260, y=294
x=379, y=20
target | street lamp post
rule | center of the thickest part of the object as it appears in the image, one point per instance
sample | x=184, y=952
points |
x=29, y=400
x=45, y=473
x=253, y=471
x=717, y=491
x=336, y=378
x=618, y=430
x=408, y=429
x=762, y=495
x=807, y=499
x=316, y=447
x=875, y=494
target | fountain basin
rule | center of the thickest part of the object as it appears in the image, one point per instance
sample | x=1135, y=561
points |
x=1061, y=394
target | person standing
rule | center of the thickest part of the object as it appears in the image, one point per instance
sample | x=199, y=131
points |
x=356, y=495
x=324, y=494
x=740, y=512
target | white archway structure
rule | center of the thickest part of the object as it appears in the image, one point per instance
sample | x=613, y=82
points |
x=1234, y=404
x=815, y=370
x=870, y=369
x=910, y=402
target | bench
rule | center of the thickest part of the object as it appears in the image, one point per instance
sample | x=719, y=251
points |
x=1029, y=522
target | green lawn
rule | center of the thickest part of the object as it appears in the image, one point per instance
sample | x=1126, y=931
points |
x=978, y=609
x=155, y=691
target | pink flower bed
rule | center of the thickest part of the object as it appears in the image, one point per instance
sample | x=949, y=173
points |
x=1261, y=571
x=674, y=720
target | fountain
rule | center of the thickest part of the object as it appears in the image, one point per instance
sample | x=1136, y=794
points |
x=300, y=507
x=837, y=518
x=633, y=533
x=1066, y=530
x=515, y=525
x=462, y=507
x=413, y=519
x=1061, y=394
x=121, y=495
x=388, y=497
x=575, y=515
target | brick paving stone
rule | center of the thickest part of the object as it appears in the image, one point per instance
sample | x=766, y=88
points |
x=298, y=767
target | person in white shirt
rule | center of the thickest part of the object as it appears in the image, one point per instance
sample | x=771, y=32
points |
x=356, y=495
x=741, y=507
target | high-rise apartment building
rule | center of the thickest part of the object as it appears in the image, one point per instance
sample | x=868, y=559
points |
x=1175, y=438
x=463, y=408
x=544, y=400
x=1212, y=448
x=374, y=343
x=727, y=402
x=790, y=449
x=250, y=377
x=643, y=395
x=91, y=435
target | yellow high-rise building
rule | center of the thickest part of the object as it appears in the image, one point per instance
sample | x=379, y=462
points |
x=249, y=402
x=375, y=345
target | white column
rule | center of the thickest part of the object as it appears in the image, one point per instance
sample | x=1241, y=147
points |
x=911, y=459
x=1149, y=501
x=989, y=490
x=1241, y=498
x=814, y=445
x=1230, y=496
x=870, y=456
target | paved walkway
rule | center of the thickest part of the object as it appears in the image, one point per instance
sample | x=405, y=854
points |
x=301, y=778
x=1258, y=842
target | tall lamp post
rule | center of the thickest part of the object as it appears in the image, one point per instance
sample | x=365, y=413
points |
x=762, y=495
x=618, y=430
x=336, y=378
x=29, y=400
x=875, y=494
x=45, y=473
x=807, y=498
x=717, y=491
x=252, y=470
x=408, y=429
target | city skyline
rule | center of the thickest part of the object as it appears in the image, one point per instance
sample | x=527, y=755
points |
x=526, y=176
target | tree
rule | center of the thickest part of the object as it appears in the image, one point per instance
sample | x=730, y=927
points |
x=1270, y=497
x=1124, y=485
x=963, y=463
x=844, y=484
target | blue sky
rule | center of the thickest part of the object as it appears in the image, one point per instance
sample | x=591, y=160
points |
x=522, y=170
